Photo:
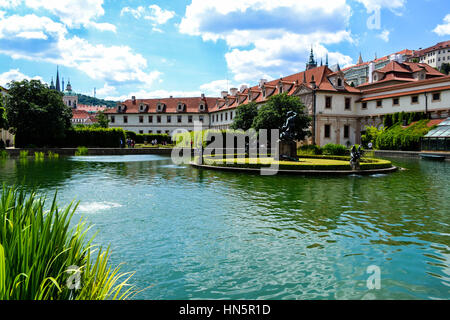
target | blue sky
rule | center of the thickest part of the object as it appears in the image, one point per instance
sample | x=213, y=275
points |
x=184, y=48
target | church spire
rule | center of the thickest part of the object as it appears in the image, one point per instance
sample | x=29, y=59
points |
x=58, y=87
x=52, y=85
x=360, y=60
x=312, y=63
x=326, y=63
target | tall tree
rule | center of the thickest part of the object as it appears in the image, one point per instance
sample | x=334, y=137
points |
x=273, y=115
x=445, y=68
x=103, y=121
x=3, y=118
x=245, y=114
x=36, y=114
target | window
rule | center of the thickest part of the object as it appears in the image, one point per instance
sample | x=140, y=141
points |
x=217, y=118
x=200, y=118
x=364, y=105
x=226, y=116
x=346, y=131
x=169, y=119
x=415, y=99
x=150, y=131
x=327, y=130
x=158, y=119
x=141, y=119
x=221, y=117
x=125, y=119
x=113, y=119
x=179, y=119
x=327, y=102
x=231, y=115
x=141, y=131
x=437, y=96
x=150, y=119
x=379, y=103
x=339, y=82
x=395, y=101
x=189, y=119
x=348, y=103
x=167, y=131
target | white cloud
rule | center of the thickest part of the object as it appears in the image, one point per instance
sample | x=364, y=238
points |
x=155, y=14
x=268, y=37
x=146, y=94
x=16, y=75
x=74, y=13
x=9, y=3
x=214, y=88
x=384, y=35
x=39, y=38
x=107, y=90
x=374, y=5
x=443, y=29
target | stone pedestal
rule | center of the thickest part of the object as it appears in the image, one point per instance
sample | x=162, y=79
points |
x=288, y=150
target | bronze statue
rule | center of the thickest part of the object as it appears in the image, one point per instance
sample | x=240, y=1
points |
x=355, y=157
x=287, y=131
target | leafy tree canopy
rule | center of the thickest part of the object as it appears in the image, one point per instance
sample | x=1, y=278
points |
x=445, y=68
x=103, y=121
x=91, y=101
x=36, y=114
x=245, y=114
x=273, y=115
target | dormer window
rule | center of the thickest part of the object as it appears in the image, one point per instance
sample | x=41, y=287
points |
x=202, y=107
x=339, y=82
x=121, y=108
x=280, y=88
x=181, y=107
x=143, y=107
x=160, y=107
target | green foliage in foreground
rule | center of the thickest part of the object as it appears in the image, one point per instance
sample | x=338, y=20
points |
x=4, y=154
x=23, y=154
x=41, y=256
x=82, y=151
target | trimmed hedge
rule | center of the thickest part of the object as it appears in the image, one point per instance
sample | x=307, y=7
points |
x=94, y=137
x=285, y=165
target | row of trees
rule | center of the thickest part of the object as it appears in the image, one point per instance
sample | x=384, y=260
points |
x=37, y=115
x=273, y=115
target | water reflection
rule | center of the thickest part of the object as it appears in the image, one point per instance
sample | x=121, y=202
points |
x=207, y=234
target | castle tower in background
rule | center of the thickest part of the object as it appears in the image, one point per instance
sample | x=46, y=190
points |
x=311, y=63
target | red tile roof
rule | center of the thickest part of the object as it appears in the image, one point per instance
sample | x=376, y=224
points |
x=406, y=52
x=91, y=108
x=171, y=104
x=438, y=46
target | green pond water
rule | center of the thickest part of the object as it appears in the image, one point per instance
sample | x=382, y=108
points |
x=194, y=234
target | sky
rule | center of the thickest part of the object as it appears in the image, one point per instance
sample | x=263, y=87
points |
x=155, y=49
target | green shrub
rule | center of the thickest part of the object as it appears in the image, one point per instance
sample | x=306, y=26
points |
x=39, y=252
x=94, y=137
x=3, y=154
x=310, y=149
x=82, y=151
x=334, y=149
x=371, y=135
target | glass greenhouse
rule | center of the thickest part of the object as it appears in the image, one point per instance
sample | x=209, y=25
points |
x=438, y=139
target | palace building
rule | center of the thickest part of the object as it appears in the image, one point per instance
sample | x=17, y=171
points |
x=340, y=112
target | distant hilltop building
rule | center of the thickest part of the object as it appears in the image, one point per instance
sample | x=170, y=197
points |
x=435, y=56
x=361, y=72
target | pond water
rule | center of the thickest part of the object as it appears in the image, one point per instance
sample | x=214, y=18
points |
x=195, y=234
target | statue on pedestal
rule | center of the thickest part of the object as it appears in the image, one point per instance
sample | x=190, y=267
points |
x=355, y=157
x=287, y=144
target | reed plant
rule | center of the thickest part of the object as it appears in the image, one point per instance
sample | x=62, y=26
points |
x=43, y=258
x=3, y=155
x=52, y=155
x=82, y=151
x=39, y=156
x=23, y=154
